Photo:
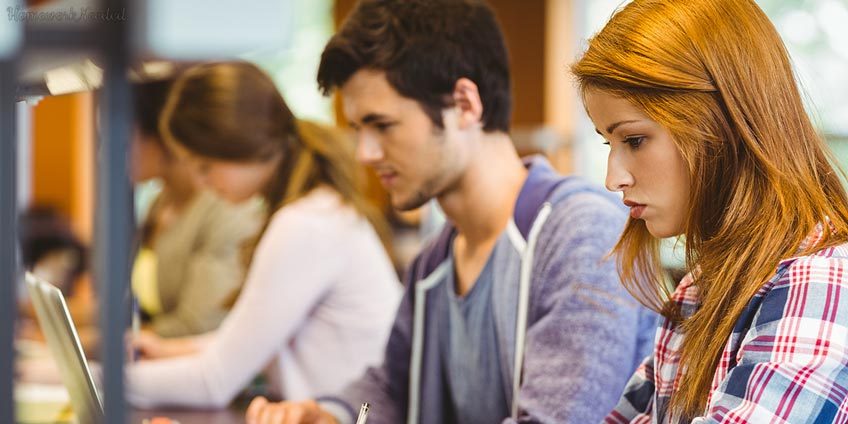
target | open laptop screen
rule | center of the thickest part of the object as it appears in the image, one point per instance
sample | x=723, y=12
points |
x=64, y=345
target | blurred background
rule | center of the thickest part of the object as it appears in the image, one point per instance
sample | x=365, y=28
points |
x=543, y=37
x=285, y=38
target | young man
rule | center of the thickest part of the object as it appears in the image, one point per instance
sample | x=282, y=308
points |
x=513, y=314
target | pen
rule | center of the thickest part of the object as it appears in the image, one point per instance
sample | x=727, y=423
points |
x=363, y=413
x=136, y=325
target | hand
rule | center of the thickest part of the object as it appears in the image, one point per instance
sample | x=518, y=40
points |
x=150, y=346
x=261, y=411
x=37, y=370
x=147, y=344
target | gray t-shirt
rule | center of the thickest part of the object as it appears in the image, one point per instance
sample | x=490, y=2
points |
x=470, y=354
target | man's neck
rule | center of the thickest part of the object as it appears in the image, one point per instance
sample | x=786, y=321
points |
x=482, y=202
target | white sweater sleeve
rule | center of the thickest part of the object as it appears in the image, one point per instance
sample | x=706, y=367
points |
x=294, y=266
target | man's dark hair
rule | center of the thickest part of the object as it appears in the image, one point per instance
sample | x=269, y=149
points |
x=424, y=47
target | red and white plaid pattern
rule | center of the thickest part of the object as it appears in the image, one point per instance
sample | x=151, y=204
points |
x=786, y=361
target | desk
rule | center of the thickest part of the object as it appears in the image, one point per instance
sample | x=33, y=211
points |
x=233, y=414
x=185, y=416
x=50, y=403
x=34, y=360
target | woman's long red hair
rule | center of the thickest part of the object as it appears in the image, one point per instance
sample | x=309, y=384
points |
x=716, y=74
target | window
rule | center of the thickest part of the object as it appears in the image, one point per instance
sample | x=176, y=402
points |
x=294, y=69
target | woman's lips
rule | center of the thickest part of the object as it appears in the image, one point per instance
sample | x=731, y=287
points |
x=636, y=209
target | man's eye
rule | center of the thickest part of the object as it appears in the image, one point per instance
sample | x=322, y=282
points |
x=383, y=126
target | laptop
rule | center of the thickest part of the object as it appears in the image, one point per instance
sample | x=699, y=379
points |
x=64, y=345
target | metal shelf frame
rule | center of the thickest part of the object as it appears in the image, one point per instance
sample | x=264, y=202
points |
x=109, y=41
x=9, y=258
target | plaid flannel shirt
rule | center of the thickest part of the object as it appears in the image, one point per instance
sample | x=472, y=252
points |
x=785, y=362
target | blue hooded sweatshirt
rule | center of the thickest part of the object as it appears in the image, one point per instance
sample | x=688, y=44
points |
x=569, y=334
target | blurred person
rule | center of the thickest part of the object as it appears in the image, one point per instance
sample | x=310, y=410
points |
x=50, y=249
x=316, y=306
x=53, y=252
x=190, y=260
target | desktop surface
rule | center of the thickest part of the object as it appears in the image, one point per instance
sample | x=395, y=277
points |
x=45, y=403
x=48, y=401
x=186, y=416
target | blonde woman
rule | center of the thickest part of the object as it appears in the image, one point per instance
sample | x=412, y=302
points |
x=189, y=259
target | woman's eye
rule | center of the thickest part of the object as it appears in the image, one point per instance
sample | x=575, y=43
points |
x=634, y=142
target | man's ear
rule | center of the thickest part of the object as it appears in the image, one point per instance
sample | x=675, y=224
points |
x=466, y=98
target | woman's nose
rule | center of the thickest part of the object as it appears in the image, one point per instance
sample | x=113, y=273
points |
x=618, y=177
